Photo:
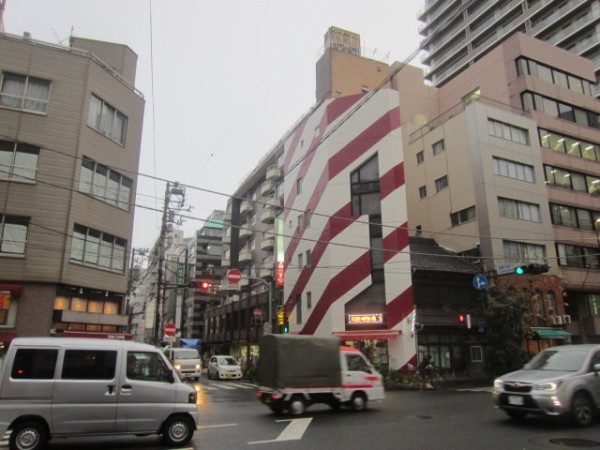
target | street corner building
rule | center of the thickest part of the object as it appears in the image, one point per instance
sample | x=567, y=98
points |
x=345, y=224
x=70, y=133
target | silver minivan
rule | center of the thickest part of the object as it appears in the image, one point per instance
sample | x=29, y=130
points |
x=64, y=387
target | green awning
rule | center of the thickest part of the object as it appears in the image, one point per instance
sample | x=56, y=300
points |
x=551, y=333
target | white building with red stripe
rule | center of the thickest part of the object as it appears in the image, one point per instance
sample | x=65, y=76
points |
x=346, y=258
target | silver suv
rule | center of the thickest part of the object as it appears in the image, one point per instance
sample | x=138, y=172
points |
x=562, y=380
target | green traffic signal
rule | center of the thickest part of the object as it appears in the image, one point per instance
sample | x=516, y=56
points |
x=519, y=270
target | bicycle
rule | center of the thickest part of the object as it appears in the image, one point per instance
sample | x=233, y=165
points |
x=432, y=379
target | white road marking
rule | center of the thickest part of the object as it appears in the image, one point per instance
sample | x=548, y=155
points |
x=242, y=386
x=481, y=389
x=219, y=386
x=293, y=432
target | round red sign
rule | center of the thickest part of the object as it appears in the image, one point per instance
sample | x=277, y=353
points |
x=170, y=329
x=234, y=276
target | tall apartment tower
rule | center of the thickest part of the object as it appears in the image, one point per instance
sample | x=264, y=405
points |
x=70, y=133
x=457, y=33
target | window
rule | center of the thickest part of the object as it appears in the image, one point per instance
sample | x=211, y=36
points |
x=364, y=188
x=441, y=183
x=107, y=120
x=309, y=300
x=576, y=256
x=571, y=146
x=420, y=157
x=34, y=364
x=299, y=310
x=18, y=161
x=299, y=221
x=511, y=169
x=551, y=302
x=522, y=251
x=574, y=181
x=529, y=67
x=438, y=147
x=508, y=132
x=89, y=365
x=476, y=353
x=13, y=234
x=462, y=216
x=308, y=258
x=532, y=101
x=25, y=93
x=514, y=209
x=299, y=186
x=570, y=216
x=96, y=248
x=147, y=366
x=307, y=218
x=357, y=363
x=300, y=260
x=423, y=192
x=594, y=303
x=105, y=184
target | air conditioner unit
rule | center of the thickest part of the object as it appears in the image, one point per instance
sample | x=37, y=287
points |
x=566, y=318
x=557, y=320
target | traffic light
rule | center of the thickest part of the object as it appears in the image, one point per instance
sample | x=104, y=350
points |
x=532, y=268
x=462, y=320
x=286, y=326
x=280, y=316
x=203, y=286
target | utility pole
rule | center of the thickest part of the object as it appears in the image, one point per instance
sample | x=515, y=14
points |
x=161, y=257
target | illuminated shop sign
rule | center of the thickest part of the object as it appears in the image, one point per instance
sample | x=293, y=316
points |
x=365, y=319
x=280, y=273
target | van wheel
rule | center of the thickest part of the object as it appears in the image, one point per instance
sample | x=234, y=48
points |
x=582, y=410
x=178, y=430
x=358, y=402
x=297, y=405
x=28, y=436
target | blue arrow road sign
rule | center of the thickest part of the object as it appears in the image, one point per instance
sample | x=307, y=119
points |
x=480, y=282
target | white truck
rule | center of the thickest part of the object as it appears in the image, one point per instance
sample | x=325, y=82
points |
x=186, y=361
x=296, y=371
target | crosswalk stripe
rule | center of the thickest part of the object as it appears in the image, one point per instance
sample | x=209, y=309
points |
x=242, y=385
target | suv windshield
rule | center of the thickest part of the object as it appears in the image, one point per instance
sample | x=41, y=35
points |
x=228, y=362
x=556, y=360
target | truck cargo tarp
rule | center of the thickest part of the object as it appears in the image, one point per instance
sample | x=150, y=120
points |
x=293, y=361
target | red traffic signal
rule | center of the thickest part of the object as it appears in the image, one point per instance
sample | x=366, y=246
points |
x=204, y=286
x=462, y=319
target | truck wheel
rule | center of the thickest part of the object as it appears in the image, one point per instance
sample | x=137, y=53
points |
x=297, y=405
x=358, y=402
x=178, y=430
x=582, y=410
x=28, y=436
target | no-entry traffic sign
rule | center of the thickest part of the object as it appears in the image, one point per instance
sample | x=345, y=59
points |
x=170, y=329
x=234, y=276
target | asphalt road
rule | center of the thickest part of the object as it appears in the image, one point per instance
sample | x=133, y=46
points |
x=232, y=418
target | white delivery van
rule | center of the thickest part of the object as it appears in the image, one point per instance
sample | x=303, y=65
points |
x=64, y=387
x=296, y=371
x=186, y=361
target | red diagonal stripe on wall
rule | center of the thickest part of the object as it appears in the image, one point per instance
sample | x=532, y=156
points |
x=399, y=308
x=341, y=160
x=395, y=242
x=341, y=284
x=334, y=226
x=391, y=180
x=340, y=105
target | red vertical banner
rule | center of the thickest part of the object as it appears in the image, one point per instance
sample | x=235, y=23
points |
x=280, y=273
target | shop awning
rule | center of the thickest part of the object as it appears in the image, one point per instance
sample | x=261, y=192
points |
x=367, y=335
x=95, y=334
x=550, y=333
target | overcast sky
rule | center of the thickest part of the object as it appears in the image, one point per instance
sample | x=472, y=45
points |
x=223, y=80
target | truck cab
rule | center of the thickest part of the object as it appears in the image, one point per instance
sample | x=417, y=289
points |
x=186, y=361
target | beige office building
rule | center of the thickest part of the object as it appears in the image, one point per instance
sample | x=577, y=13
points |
x=503, y=160
x=70, y=132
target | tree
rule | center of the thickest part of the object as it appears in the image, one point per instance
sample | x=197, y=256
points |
x=508, y=318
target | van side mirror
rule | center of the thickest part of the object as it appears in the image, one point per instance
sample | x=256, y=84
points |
x=596, y=368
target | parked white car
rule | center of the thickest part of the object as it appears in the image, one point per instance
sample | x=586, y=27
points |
x=223, y=367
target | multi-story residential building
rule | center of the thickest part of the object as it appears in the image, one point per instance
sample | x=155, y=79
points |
x=70, y=131
x=503, y=161
x=457, y=33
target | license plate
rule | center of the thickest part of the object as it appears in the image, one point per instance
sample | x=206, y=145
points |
x=227, y=376
x=267, y=399
x=515, y=400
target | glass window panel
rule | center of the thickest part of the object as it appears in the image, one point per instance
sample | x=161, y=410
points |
x=369, y=171
x=78, y=242
x=86, y=176
x=578, y=182
x=99, y=186
x=573, y=147
x=593, y=185
x=377, y=253
x=575, y=84
x=106, y=245
x=527, y=100
x=560, y=79
x=95, y=112
x=118, y=262
x=522, y=66
x=550, y=107
x=562, y=178
x=92, y=247
x=581, y=117
x=36, y=95
x=25, y=166
x=89, y=365
x=125, y=193
x=112, y=187
x=544, y=73
x=566, y=112
x=107, y=120
x=6, y=162
x=589, y=151
x=12, y=90
x=544, y=138
x=370, y=203
x=14, y=235
x=557, y=143
x=584, y=219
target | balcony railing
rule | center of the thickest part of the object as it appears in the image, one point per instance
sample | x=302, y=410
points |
x=268, y=216
x=245, y=255
x=245, y=232
x=274, y=173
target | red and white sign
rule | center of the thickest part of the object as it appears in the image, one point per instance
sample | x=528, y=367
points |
x=170, y=329
x=234, y=276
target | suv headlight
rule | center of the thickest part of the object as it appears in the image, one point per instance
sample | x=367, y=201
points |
x=550, y=386
x=498, y=384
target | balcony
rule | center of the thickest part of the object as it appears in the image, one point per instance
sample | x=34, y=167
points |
x=267, y=188
x=246, y=207
x=226, y=239
x=267, y=244
x=268, y=216
x=245, y=255
x=227, y=216
x=264, y=272
x=245, y=232
x=274, y=173
x=273, y=202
